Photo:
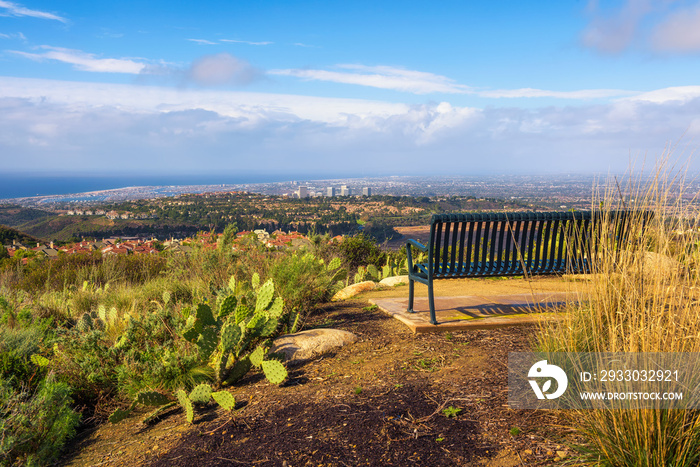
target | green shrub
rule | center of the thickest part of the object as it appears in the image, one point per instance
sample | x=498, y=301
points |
x=35, y=426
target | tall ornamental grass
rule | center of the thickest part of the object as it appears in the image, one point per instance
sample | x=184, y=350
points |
x=642, y=297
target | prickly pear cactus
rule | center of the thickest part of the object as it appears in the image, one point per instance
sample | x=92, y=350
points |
x=151, y=398
x=84, y=324
x=186, y=404
x=255, y=280
x=205, y=316
x=228, y=306
x=242, y=312
x=225, y=400
x=256, y=357
x=386, y=271
x=201, y=394
x=372, y=272
x=274, y=371
x=333, y=264
x=276, y=309
x=230, y=335
x=265, y=294
x=119, y=415
x=166, y=297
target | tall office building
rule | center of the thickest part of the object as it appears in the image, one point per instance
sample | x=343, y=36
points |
x=345, y=191
x=366, y=191
x=330, y=191
x=303, y=192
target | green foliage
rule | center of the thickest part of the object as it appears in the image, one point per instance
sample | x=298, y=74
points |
x=451, y=411
x=35, y=426
x=359, y=251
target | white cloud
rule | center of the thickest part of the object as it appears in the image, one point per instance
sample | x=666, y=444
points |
x=85, y=61
x=679, y=32
x=202, y=41
x=219, y=69
x=14, y=9
x=674, y=94
x=583, y=94
x=247, y=42
x=62, y=125
x=15, y=35
x=383, y=77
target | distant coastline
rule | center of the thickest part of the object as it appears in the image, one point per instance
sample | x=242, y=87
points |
x=26, y=185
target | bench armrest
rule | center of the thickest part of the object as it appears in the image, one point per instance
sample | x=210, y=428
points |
x=416, y=244
x=409, y=255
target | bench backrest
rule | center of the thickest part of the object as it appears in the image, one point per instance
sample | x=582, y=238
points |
x=508, y=244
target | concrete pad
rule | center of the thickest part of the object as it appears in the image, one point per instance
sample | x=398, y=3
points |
x=475, y=311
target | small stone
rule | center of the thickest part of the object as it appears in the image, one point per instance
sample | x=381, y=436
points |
x=393, y=281
x=352, y=290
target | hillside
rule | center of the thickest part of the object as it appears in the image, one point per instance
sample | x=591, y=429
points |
x=8, y=234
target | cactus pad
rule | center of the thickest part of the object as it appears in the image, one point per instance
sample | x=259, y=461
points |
x=232, y=284
x=228, y=306
x=207, y=341
x=230, y=335
x=238, y=370
x=242, y=312
x=269, y=328
x=204, y=315
x=191, y=333
x=256, y=357
x=84, y=324
x=153, y=415
x=225, y=400
x=265, y=296
x=201, y=394
x=276, y=309
x=372, y=271
x=119, y=415
x=333, y=264
x=256, y=322
x=274, y=371
x=102, y=312
x=186, y=404
x=255, y=280
x=152, y=398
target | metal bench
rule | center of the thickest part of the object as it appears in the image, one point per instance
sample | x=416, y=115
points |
x=508, y=244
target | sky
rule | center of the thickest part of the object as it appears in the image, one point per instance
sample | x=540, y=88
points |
x=347, y=88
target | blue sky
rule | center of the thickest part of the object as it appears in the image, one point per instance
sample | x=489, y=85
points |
x=327, y=87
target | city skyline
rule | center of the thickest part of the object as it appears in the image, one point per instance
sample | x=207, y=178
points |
x=330, y=88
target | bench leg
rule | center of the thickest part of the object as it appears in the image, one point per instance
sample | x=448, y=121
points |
x=411, y=283
x=431, y=302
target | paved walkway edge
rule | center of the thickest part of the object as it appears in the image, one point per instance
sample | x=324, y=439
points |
x=539, y=306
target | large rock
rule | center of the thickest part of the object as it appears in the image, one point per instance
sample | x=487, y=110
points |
x=352, y=290
x=393, y=281
x=306, y=345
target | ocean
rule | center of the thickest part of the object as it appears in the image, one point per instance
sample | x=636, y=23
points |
x=23, y=185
